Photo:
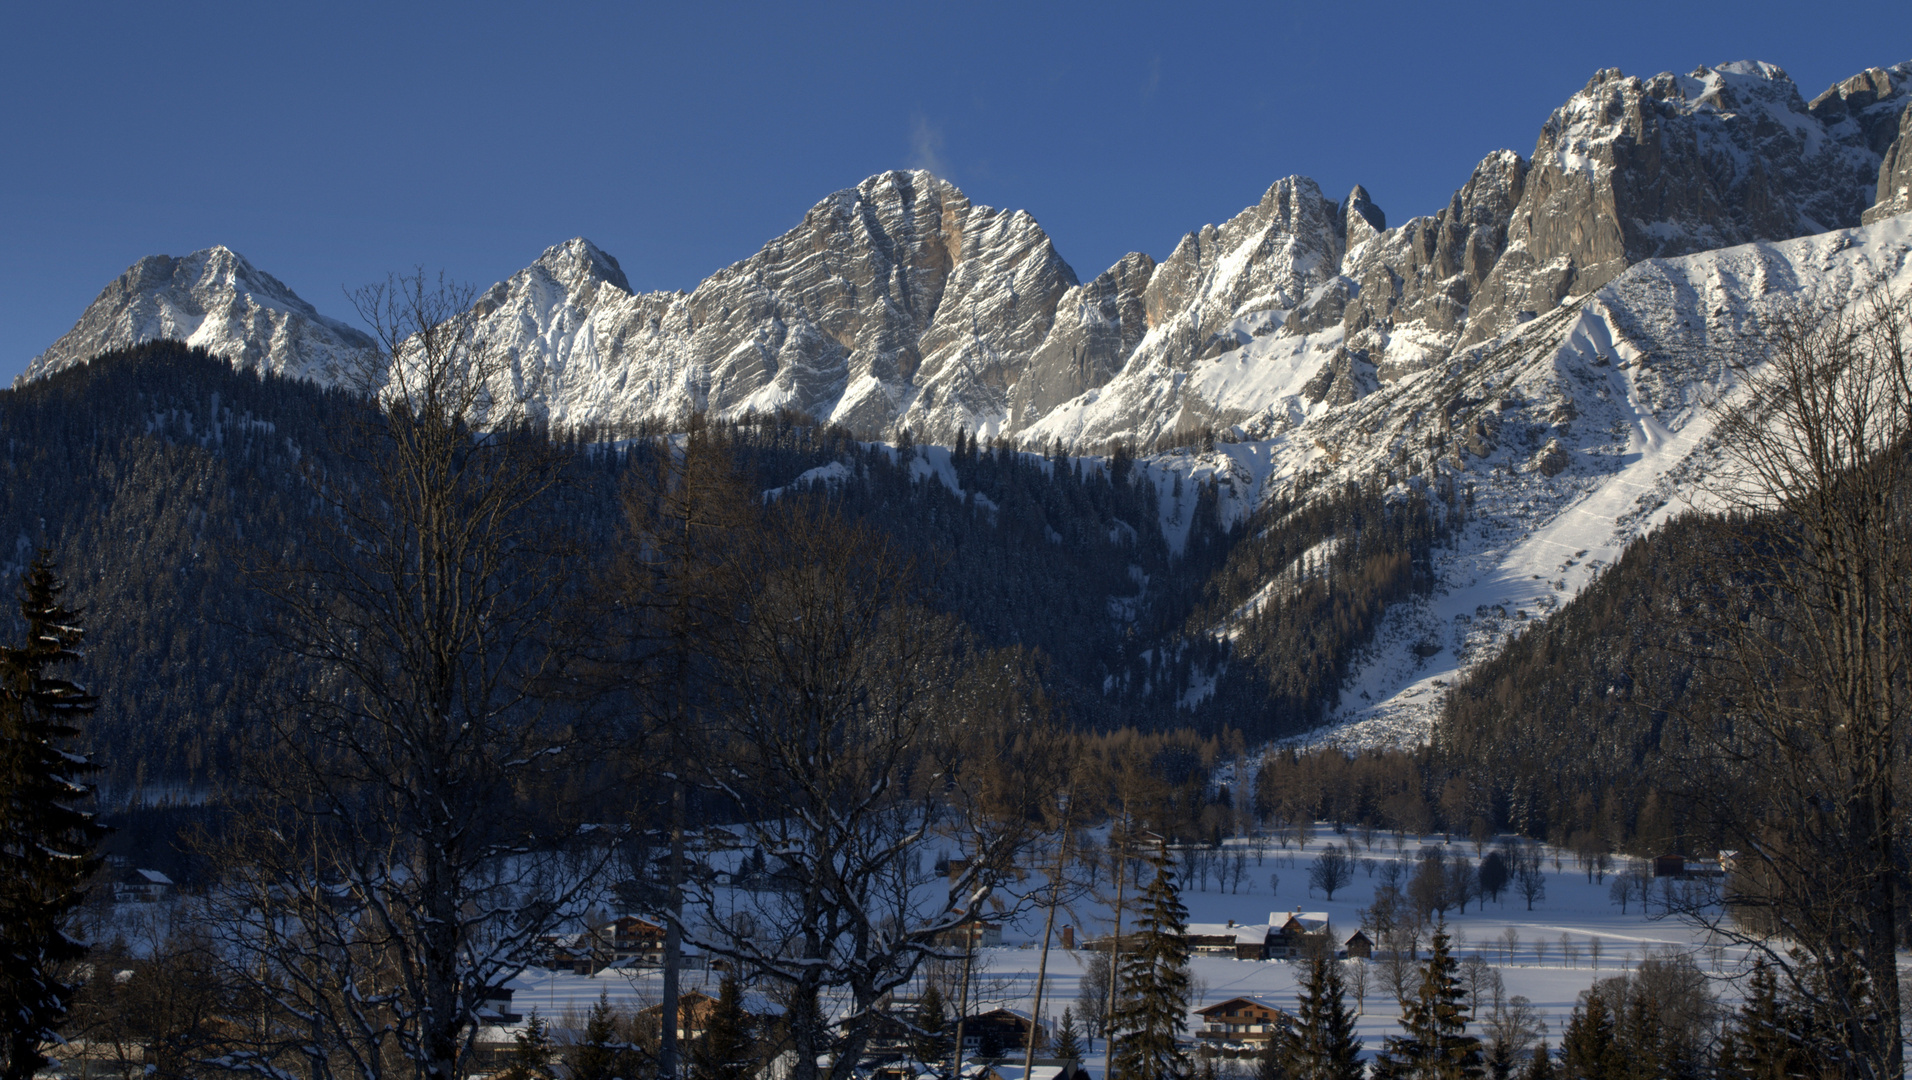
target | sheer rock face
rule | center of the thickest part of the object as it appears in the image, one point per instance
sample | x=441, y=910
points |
x=1097, y=325
x=893, y=303
x=1633, y=169
x=1894, y=194
x=214, y=299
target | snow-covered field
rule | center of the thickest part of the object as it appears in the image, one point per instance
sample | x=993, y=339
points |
x=1551, y=963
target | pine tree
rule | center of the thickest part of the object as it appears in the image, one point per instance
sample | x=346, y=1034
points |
x=531, y=1051
x=1320, y=1043
x=1436, y=1043
x=723, y=1052
x=1068, y=1047
x=602, y=1054
x=932, y=1018
x=1762, y=1043
x=46, y=842
x=1154, y=1011
x=1541, y=1065
x=1587, y=1049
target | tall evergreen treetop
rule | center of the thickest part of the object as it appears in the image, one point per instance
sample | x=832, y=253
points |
x=1154, y=1011
x=1320, y=1043
x=1068, y=1045
x=46, y=839
x=1435, y=1044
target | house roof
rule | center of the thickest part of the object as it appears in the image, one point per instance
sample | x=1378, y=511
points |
x=1311, y=921
x=154, y=877
x=1242, y=933
x=1232, y=1003
x=1014, y=1072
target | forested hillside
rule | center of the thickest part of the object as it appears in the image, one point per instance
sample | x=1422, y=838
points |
x=158, y=475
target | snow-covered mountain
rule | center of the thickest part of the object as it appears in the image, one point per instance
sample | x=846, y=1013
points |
x=1548, y=337
x=217, y=300
x=893, y=303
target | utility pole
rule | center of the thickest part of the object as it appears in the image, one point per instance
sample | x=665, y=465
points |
x=962, y=1000
x=1119, y=836
x=673, y=939
x=1048, y=926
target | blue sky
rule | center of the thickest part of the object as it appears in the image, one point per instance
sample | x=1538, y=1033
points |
x=334, y=143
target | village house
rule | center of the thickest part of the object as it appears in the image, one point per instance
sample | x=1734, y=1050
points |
x=1237, y=1025
x=998, y=1032
x=693, y=1015
x=494, y=1006
x=1242, y=941
x=635, y=939
x=971, y=933
x=1297, y=934
x=1359, y=946
x=143, y=886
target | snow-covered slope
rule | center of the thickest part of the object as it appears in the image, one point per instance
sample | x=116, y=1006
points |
x=1576, y=433
x=217, y=300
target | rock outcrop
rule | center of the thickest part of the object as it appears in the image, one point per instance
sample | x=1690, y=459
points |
x=1634, y=169
x=1894, y=193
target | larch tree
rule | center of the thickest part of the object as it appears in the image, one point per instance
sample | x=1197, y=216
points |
x=46, y=836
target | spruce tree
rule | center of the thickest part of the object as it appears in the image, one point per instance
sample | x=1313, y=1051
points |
x=46, y=840
x=1761, y=1042
x=1587, y=1048
x=1435, y=1043
x=531, y=1052
x=1541, y=1065
x=1068, y=1046
x=932, y=1019
x=723, y=1052
x=603, y=1054
x=1154, y=1011
x=1320, y=1044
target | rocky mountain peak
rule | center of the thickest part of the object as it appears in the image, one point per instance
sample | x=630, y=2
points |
x=577, y=261
x=216, y=299
x=1868, y=104
x=1360, y=218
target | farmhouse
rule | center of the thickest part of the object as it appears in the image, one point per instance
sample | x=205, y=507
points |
x=1238, y=1024
x=1240, y=940
x=1299, y=933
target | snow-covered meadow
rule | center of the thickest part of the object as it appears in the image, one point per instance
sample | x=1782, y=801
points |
x=1573, y=936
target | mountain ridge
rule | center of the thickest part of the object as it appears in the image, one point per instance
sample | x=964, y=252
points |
x=1540, y=341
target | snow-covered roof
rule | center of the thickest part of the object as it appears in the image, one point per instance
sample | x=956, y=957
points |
x=1243, y=933
x=154, y=877
x=1309, y=921
x=1014, y=1072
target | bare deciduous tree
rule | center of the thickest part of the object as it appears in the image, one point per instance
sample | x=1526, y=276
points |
x=1814, y=620
x=1333, y=869
x=852, y=726
x=388, y=868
